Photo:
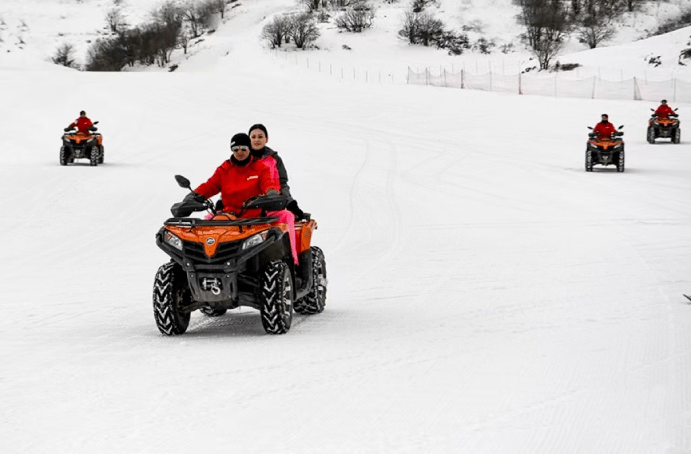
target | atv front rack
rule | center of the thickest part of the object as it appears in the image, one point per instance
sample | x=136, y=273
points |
x=200, y=222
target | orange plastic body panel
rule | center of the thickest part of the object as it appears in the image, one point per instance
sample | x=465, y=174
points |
x=605, y=143
x=664, y=122
x=303, y=234
x=212, y=236
x=79, y=138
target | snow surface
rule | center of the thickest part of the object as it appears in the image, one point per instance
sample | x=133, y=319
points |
x=486, y=295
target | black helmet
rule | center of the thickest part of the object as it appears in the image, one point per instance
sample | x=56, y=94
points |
x=240, y=139
x=664, y=101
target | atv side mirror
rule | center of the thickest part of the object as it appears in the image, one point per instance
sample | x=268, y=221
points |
x=675, y=109
x=96, y=122
x=621, y=127
x=183, y=182
x=652, y=109
x=589, y=127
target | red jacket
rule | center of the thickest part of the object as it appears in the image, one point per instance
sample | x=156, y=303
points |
x=239, y=183
x=83, y=124
x=604, y=130
x=664, y=111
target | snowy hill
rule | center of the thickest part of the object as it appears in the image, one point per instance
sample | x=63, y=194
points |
x=486, y=295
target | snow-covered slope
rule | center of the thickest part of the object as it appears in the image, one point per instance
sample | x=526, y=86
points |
x=485, y=295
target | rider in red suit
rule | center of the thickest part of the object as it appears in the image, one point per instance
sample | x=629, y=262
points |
x=82, y=123
x=664, y=111
x=604, y=128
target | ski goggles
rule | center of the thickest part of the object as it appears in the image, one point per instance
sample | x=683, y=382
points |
x=244, y=148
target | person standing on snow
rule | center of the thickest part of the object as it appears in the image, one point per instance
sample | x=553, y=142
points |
x=259, y=138
x=604, y=129
x=664, y=111
x=82, y=123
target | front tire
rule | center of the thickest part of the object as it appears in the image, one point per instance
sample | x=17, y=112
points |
x=676, y=136
x=621, y=160
x=588, y=164
x=650, y=135
x=63, y=156
x=94, y=156
x=170, y=294
x=102, y=154
x=315, y=301
x=276, y=288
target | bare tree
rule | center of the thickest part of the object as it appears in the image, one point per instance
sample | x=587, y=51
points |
x=303, y=30
x=313, y=5
x=275, y=32
x=547, y=24
x=595, y=23
x=115, y=19
x=218, y=6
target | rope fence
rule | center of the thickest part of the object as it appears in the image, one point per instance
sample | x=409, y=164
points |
x=582, y=83
x=557, y=84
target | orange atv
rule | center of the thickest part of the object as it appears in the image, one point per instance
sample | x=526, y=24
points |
x=605, y=151
x=226, y=262
x=77, y=145
x=663, y=127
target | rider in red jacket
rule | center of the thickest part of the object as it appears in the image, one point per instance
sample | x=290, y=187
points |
x=604, y=128
x=664, y=111
x=239, y=178
x=82, y=123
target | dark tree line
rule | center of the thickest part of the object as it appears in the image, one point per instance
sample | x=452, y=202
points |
x=172, y=26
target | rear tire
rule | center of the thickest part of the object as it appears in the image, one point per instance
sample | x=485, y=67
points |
x=650, y=135
x=676, y=136
x=588, y=164
x=276, y=289
x=621, y=160
x=63, y=156
x=170, y=294
x=315, y=301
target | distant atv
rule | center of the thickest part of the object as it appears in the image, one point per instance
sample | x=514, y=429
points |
x=605, y=151
x=77, y=145
x=663, y=127
x=226, y=262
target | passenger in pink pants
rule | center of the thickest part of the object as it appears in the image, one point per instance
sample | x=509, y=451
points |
x=258, y=145
x=287, y=217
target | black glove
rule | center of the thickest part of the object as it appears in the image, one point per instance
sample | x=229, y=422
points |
x=293, y=208
x=194, y=196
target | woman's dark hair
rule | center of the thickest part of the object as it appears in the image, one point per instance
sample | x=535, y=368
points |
x=258, y=126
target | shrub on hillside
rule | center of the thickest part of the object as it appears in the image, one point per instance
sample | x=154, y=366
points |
x=64, y=55
x=357, y=18
x=483, y=45
x=421, y=28
x=453, y=42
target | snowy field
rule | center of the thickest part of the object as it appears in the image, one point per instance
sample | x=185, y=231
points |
x=486, y=295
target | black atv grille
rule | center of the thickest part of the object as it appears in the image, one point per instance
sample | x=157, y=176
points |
x=224, y=252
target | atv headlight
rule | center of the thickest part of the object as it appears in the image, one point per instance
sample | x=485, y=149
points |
x=173, y=240
x=254, y=240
